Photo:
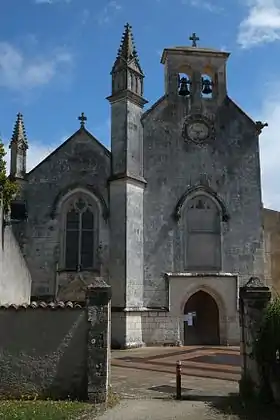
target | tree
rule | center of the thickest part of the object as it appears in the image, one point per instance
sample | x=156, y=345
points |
x=8, y=188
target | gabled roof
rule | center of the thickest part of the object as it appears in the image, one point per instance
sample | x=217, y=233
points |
x=152, y=107
x=82, y=129
x=240, y=110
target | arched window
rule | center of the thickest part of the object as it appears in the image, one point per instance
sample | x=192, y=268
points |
x=203, y=234
x=80, y=233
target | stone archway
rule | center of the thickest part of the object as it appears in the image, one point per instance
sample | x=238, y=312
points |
x=201, y=320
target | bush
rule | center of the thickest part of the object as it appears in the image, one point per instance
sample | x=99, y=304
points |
x=267, y=343
x=266, y=347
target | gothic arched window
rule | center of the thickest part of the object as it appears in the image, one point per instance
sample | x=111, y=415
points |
x=203, y=234
x=80, y=234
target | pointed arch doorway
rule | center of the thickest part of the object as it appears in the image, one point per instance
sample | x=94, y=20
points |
x=201, y=320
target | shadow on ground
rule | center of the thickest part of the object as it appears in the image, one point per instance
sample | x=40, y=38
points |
x=233, y=406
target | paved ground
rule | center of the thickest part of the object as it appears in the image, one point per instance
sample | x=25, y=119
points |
x=163, y=410
x=209, y=376
x=150, y=372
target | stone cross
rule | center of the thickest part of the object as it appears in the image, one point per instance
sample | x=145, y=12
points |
x=82, y=118
x=194, y=39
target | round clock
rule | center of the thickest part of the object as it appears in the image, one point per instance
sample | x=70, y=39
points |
x=197, y=131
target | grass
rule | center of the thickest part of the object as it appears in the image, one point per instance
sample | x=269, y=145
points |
x=53, y=410
x=45, y=410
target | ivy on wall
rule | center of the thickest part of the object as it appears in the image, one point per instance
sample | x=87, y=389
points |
x=8, y=188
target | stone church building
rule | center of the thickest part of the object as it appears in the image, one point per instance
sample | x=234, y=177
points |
x=171, y=217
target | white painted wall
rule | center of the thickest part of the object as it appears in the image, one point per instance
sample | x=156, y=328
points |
x=15, y=279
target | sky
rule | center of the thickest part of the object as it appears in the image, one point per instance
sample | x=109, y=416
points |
x=56, y=57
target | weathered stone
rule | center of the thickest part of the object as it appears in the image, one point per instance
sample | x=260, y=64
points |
x=254, y=298
x=99, y=340
x=145, y=193
x=47, y=338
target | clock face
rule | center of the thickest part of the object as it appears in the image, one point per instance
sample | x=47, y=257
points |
x=197, y=131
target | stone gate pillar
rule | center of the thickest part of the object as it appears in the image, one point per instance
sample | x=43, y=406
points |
x=98, y=300
x=253, y=299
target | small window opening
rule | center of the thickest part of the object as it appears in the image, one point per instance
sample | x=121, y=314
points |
x=184, y=84
x=206, y=86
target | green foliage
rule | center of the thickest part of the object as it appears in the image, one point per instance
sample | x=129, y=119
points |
x=7, y=187
x=266, y=349
x=267, y=344
x=49, y=410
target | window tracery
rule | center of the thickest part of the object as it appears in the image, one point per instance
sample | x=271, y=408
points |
x=80, y=233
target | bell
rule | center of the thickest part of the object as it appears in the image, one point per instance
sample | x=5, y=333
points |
x=184, y=91
x=207, y=87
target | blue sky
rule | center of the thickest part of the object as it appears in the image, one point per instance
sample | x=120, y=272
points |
x=56, y=57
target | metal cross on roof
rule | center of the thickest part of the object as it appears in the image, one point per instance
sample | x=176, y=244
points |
x=194, y=39
x=82, y=118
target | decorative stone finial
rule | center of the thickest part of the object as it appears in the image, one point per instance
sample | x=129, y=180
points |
x=194, y=39
x=82, y=118
x=260, y=125
x=19, y=134
x=127, y=53
x=127, y=48
x=254, y=282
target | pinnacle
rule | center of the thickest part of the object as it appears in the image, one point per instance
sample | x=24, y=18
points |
x=127, y=49
x=127, y=54
x=19, y=134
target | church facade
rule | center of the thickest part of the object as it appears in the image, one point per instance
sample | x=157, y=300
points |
x=171, y=217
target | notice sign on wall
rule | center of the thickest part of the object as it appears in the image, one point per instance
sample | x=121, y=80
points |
x=189, y=318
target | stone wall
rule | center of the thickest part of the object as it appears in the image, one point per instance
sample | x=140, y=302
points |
x=227, y=166
x=15, y=279
x=57, y=350
x=80, y=164
x=254, y=298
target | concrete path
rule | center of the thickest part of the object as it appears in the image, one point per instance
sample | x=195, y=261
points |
x=163, y=410
x=145, y=380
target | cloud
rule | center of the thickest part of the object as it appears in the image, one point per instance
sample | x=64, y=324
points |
x=85, y=15
x=261, y=25
x=204, y=4
x=270, y=149
x=108, y=12
x=20, y=72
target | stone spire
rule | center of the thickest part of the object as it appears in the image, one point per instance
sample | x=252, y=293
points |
x=19, y=134
x=127, y=53
x=127, y=73
x=18, y=146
